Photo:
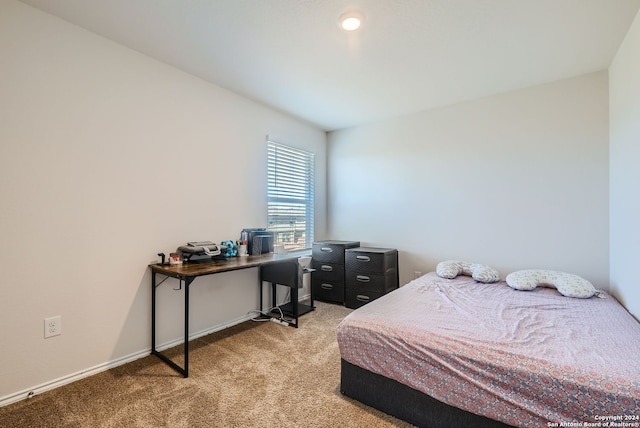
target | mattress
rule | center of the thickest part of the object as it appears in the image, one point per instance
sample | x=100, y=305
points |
x=525, y=358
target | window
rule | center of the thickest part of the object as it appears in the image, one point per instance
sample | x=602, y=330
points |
x=290, y=195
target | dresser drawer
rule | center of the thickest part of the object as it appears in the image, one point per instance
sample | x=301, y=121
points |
x=355, y=299
x=331, y=251
x=376, y=260
x=331, y=272
x=361, y=282
x=328, y=291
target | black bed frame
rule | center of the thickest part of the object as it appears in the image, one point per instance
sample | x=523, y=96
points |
x=404, y=402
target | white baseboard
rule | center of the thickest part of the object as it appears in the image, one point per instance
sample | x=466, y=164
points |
x=64, y=380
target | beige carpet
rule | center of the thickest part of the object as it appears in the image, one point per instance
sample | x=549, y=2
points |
x=250, y=375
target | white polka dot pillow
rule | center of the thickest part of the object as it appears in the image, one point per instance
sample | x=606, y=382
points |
x=481, y=273
x=567, y=284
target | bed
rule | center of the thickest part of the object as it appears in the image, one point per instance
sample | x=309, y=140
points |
x=455, y=352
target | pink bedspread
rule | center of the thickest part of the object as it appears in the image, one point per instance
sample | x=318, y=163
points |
x=526, y=358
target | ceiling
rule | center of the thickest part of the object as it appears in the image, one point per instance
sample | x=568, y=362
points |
x=409, y=55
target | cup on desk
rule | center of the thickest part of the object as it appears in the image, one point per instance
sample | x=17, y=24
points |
x=279, y=249
x=242, y=250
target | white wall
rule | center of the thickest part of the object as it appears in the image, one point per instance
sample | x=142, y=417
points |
x=108, y=157
x=518, y=180
x=624, y=95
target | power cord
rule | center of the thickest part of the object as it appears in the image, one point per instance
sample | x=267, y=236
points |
x=266, y=314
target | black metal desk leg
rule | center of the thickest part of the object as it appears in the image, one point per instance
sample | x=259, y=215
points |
x=187, y=283
x=274, y=294
x=153, y=312
x=184, y=371
x=294, y=304
x=260, y=305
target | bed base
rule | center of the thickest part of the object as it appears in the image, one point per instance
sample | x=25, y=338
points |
x=404, y=402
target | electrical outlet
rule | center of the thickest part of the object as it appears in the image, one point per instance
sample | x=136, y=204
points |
x=52, y=326
x=417, y=274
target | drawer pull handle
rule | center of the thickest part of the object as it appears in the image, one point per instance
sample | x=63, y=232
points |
x=363, y=298
x=327, y=249
x=363, y=258
x=363, y=278
x=326, y=268
x=326, y=286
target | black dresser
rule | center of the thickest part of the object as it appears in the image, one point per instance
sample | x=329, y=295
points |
x=328, y=281
x=370, y=273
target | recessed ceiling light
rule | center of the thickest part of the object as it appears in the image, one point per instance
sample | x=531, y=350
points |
x=350, y=21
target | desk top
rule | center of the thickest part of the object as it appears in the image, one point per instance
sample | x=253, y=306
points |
x=216, y=266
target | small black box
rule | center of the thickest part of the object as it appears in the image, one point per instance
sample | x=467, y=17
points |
x=259, y=241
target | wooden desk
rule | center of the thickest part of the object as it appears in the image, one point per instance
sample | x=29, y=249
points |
x=188, y=273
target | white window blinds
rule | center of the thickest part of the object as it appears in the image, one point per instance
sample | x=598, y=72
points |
x=290, y=195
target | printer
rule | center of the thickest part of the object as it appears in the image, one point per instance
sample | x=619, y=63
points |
x=201, y=251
